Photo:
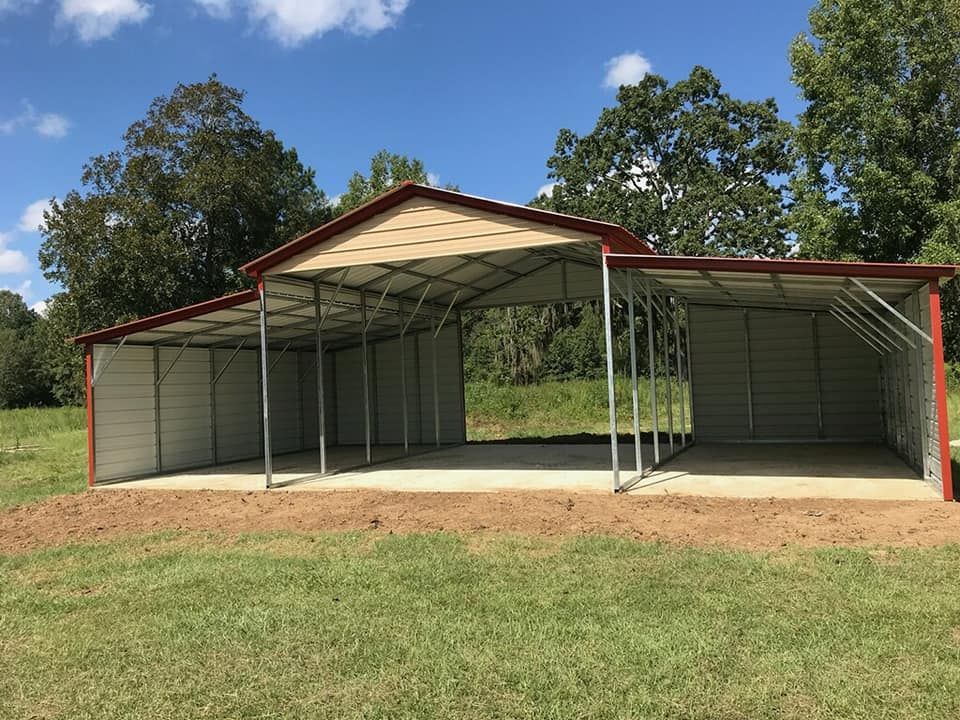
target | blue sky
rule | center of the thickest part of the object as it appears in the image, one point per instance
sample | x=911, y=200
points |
x=477, y=90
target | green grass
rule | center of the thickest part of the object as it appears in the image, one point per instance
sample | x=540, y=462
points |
x=366, y=625
x=43, y=452
x=569, y=407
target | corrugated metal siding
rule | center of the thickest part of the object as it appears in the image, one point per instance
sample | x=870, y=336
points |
x=783, y=377
x=423, y=228
x=555, y=283
x=448, y=381
x=349, y=384
x=719, y=373
x=284, y=403
x=849, y=383
x=930, y=417
x=185, y=409
x=125, y=444
x=238, y=406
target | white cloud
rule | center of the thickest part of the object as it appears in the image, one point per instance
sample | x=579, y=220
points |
x=40, y=307
x=219, y=9
x=23, y=289
x=98, y=19
x=293, y=22
x=433, y=179
x=546, y=189
x=50, y=125
x=12, y=261
x=32, y=217
x=626, y=69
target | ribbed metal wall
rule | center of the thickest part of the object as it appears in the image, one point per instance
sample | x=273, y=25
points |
x=757, y=376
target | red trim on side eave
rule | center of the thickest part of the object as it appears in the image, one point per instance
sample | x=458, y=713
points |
x=827, y=268
x=91, y=444
x=624, y=240
x=155, y=321
x=940, y=387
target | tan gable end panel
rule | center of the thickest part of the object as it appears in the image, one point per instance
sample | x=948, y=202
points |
x=423, y=228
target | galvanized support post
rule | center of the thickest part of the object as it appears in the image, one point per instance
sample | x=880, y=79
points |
x=666, y=367
x=436, y=380
x=921, y=395
x=611, y=391
x=403, y=380
x=156, y=409
x=365, y=372
x=213, y=406
x=746, y=347
x=634, y=390
x=680, y=385
x=816, y=372
x=693, y=427
x=321, y=404
x=652, y=359
x=265, y=388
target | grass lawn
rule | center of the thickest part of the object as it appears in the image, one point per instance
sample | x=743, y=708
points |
x=368, y=625
x=43, y=452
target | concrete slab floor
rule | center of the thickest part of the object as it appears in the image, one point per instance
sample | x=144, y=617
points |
x=774, y=470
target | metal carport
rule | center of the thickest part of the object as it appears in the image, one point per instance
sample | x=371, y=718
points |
x=351, y=339
x=788, y=351
x=349, y=349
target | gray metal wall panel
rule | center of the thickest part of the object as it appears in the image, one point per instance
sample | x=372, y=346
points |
x=349, y=384
x=389, y=408
x=719, y=371
x=284, y=403
x=448, y=382
x=554, y=283
x=185, y=409
x=784, y=383
x=783, y=377
x=238, y=406
x=849, y=370
x=310, y=410
x=123, y=417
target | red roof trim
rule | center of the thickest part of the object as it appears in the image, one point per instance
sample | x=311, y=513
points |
x=155, y=321
x=623, y=239
x=904, y=271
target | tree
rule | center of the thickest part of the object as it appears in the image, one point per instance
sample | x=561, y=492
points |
x=197, y=190
x=880, y=173
x=686, y=166
x=22, y=379
x=387, y=171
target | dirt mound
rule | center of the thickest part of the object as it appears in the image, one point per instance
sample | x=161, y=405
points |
x=749, y=524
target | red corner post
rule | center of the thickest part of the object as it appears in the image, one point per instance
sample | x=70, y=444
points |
x=88, y=365
x=940, y=390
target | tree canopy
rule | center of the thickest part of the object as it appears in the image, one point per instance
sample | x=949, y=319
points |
x=686, y=166
x=387, y=170
x=197, y=189
x=878, y=139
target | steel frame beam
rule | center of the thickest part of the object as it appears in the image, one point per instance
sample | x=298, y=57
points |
x=611, y=391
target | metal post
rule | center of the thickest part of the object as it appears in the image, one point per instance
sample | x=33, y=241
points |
x=265, y=388
x=634, y=390
x=403, y=380
x=921, y=395
x=666, y=367
x=213, y=406
x=680, y=386
x=611, y=392
x=156, y=408
x=436, y=380
x=746, y=347
x=817, y=374
x=321, y=405
x=693, y=427
x=366, y=377
x=652, y=359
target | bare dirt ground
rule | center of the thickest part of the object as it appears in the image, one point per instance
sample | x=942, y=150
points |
x=748, y=524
